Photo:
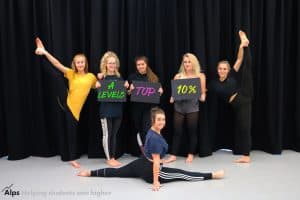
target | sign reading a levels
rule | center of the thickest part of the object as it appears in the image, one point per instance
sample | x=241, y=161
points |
x=112, y=91
x=184, y=89
x=145, y=92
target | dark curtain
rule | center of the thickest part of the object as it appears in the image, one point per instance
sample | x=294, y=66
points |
x=31, y=120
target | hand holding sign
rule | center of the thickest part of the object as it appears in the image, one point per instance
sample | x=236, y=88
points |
x=184, y=89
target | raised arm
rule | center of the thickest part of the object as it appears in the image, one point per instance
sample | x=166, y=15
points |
x=156, y=166
x=40, y=50
x=240, y=55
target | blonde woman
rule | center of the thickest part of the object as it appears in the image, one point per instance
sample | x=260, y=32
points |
x=187, y=110
x=110, y=112
x=80, y=83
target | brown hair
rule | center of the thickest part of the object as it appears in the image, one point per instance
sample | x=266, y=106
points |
x=150, y=74
x=154, y=112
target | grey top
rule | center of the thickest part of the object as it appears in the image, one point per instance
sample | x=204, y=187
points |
x=187, y=106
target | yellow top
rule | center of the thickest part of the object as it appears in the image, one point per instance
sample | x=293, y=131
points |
x=79, y=88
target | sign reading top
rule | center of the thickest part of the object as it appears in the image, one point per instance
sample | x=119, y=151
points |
x=184, y=89
x=145, y=92
x=112, y=91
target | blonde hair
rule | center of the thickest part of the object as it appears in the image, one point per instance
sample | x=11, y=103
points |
x=195, y=63
x=155, y=111
x=86, y=67
x=151, y=76
x=103, y=63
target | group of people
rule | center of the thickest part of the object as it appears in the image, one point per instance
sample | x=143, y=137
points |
x=233, y=85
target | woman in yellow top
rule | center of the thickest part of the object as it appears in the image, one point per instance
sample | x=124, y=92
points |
x=80, y=83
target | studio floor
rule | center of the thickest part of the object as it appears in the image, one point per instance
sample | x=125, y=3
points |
x=274, y=177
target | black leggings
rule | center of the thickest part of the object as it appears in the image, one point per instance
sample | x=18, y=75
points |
x=70, y=141
x=242, y=110
x=141, y=120
x=192, y=126
x=110, y=127
x=142, y=168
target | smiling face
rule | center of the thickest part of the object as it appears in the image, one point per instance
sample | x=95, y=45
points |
x=159, y=121
x=111, y=65
x=223, y=70
x=141, y=66
x=187, y=63
x=80, y=63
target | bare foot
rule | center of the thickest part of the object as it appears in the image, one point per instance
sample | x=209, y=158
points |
x=117, y=162
x=218, y=174
x=243, y=38
x=243, y=159
x=75, y=164
x=172, y=158
x=112, y=163
x=84, y=173
x=189, y=158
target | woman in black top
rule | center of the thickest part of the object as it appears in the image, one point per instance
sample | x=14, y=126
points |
x=150, y=166
x=236, y=87
x=110, y=112
x=140, y=112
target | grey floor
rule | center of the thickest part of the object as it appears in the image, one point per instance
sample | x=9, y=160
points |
x=273, y=177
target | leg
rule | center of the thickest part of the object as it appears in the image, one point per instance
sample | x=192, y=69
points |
x=243, y=128
x=172, y=174
x=146, y=124
x=70, y=139
x=134, y=169
x=178, y=129
x=192, y=121
x=116, y=123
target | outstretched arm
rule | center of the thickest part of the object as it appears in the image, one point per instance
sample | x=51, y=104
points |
x=156, y=165
x=240, y=55
x=40, y=50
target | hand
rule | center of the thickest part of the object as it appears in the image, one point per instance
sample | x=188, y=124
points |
x=131, y=87
x=100, y=76
x=160, y=91
x=202, y=97
x=171, y=100
x=98, y=84
x=156, y=186
x=126, y=84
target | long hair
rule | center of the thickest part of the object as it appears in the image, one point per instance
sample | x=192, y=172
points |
x=86, y=67
x=103, y=63
x=151, y=76
x=154, y=111
x=195, y=63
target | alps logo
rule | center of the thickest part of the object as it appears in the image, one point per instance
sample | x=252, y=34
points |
x=8, y=191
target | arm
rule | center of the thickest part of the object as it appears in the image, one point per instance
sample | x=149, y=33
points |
x=40, y=50
x=177, y=76
x=156, y=166
x=239, y=60
x=203, y=87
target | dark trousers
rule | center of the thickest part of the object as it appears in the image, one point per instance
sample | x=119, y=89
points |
x=110, y=127
x=192, y=127
x=242, y=110
x=141, y=121
x=70, y=141
x=143, y=168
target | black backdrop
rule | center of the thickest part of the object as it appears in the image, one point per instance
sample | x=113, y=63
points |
x=31, y=120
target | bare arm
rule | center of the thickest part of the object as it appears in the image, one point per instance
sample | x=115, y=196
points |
x=203, y=87
x=239, y=60
x=156, y=166
x=40, y=50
